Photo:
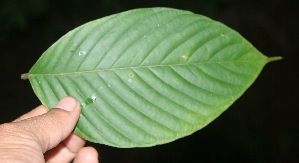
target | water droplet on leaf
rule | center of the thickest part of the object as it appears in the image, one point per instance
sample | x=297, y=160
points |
x=89, y=100
x=94, y=98
x=82, y=53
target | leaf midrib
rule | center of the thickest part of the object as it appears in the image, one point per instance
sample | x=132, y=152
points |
x=137, y=67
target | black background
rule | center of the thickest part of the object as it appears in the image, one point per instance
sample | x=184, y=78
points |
x=262, y=126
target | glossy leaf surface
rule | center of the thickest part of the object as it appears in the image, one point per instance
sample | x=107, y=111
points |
x=147, y=76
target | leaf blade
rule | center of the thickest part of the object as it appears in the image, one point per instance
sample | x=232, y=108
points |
x=147, y=76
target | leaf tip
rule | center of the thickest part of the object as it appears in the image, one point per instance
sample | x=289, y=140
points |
x=275, y=58
x=25, y=76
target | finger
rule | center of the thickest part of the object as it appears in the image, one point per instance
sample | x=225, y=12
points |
x=65, y=151
x=49, y=129
x=35, y=112
x=87, y=154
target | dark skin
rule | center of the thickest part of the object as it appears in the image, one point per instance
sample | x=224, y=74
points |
x=46, y=136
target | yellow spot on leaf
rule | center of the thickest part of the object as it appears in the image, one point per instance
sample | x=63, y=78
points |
x=184, y=57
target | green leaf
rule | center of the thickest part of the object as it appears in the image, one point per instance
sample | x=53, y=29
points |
x=147, y=76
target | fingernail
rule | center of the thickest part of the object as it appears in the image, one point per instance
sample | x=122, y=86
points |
x=67, y=104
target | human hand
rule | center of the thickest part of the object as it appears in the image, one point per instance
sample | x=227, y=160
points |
x=45, y=136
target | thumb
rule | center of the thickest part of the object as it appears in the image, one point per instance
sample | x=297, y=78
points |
x=49, y=129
